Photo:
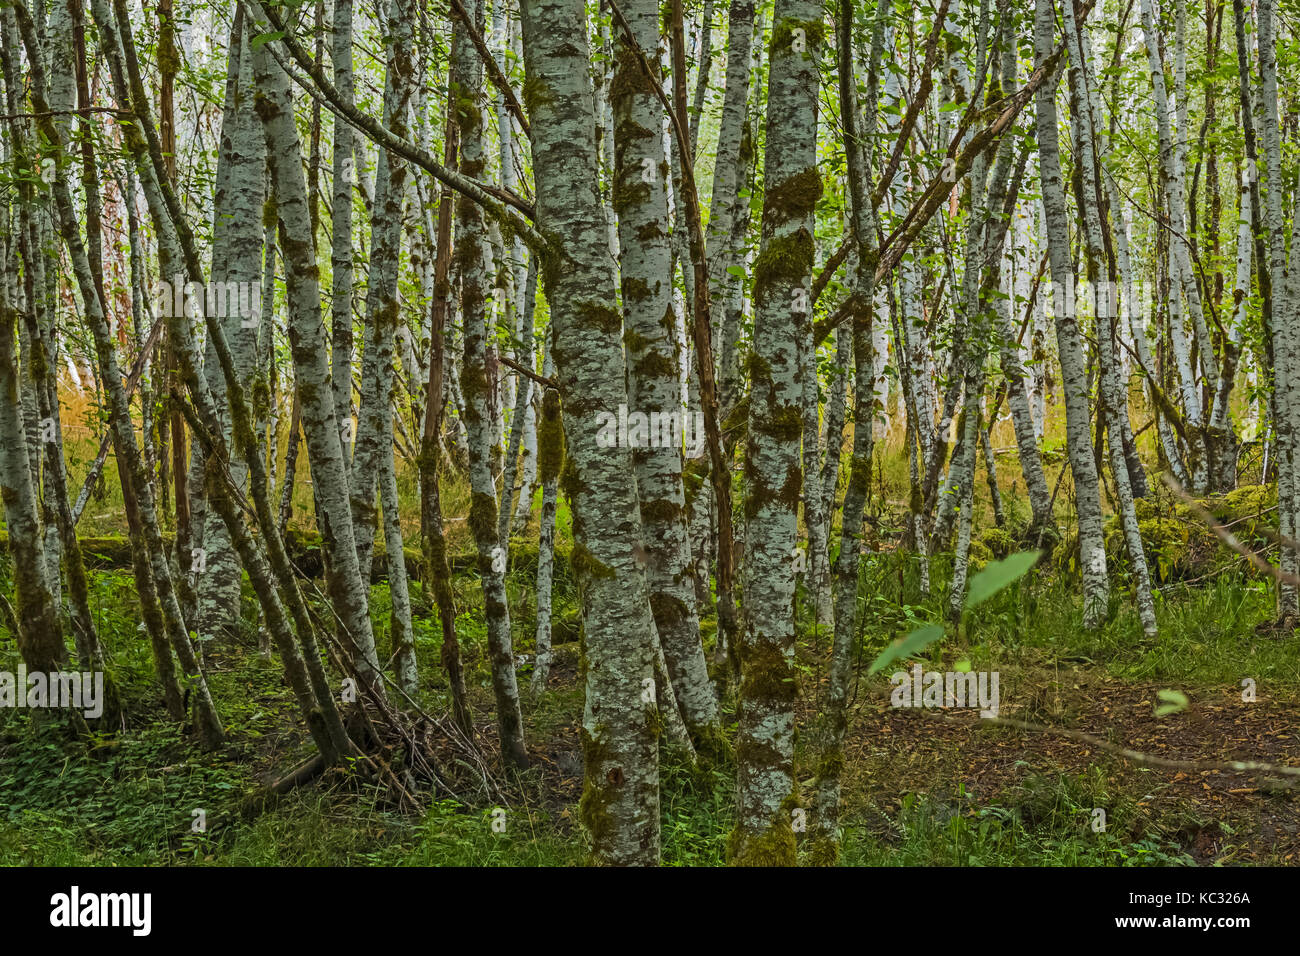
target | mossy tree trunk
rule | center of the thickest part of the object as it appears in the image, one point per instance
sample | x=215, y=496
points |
x=478, y=382
x=620, y=802
x=326, y=454
x=763, y=834
x=40, y=640
x=373, y=467
x=1114, y=396
x=823, y=837
x=550, y=459
x=271, y=578
x=653, y=357
x=207, y=723
x=237, y=257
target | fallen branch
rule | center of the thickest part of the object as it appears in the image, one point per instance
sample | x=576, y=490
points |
x=1136, y=756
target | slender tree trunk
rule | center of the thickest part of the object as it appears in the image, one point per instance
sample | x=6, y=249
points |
x=177, y=251
x=478, y=381
x=1114, y=396
x=620, y=803
x=550, y=459
x=344, y=171
x=859, y=138
x=207, y=723
x=782, y=303
x=514, y=481
x=1092, y=551
x=1285, y=390
x=437, y=573
x=348, y=592
x=40, y=640
x=653, y=356
x=237, y=263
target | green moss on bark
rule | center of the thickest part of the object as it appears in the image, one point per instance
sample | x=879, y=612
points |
x=796, y=197
x=785, y=260
x=635, y=289
x=585, y=564
x=483, y=517
x=550, y=437
x=784, y=34
x=775, y=846
x=766, y=674
x=602, y=318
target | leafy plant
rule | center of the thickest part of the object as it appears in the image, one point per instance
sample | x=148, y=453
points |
x=988, y=582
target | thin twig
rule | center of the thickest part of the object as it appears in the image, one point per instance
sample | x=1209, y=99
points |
x=527, y=372
x=493, y=68
x=1228, y=538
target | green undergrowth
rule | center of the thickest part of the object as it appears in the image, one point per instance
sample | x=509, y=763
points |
x=128, y=796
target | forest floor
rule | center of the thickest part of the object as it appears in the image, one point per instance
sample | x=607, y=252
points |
x=896, y=757
x=922, y=787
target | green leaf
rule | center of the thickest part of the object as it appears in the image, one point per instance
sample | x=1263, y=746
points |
x=914, y=643
x=1174, y=702
x=998, y=574
x=962, y=667
x=264, y=38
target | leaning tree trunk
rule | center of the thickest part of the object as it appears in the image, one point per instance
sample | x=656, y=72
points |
x=326, y=454
x=177, y=252
x=206, y=720
x=653, y=350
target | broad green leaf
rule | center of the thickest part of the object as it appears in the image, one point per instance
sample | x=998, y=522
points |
x=1174, y=702
x=263, y=38
x=998, y=574
x=914, y=643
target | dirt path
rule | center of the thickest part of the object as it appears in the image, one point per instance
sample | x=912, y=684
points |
x=1217, y=816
